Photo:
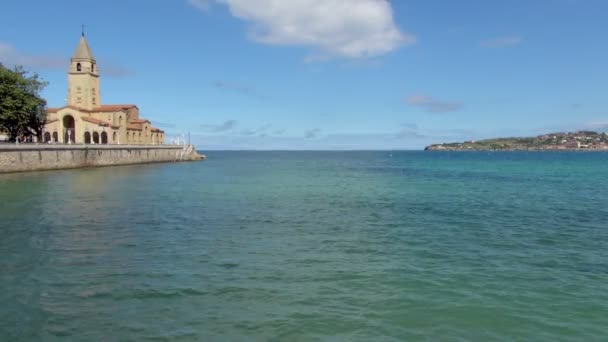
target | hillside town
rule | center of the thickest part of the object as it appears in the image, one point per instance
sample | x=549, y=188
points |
x=581, y=140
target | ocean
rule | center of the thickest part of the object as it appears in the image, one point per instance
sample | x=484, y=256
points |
x=310, y=246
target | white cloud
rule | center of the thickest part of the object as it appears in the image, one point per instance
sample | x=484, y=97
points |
x=261, y=131
x=597, y=126
x=227, y=125
x=331, y=28
x=236, y=87
x=312, y=133
x=10, y=56
x=202, y=5
x=433, y=105
x=501, y=42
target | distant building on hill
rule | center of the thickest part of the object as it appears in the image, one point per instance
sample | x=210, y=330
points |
x=86, y=120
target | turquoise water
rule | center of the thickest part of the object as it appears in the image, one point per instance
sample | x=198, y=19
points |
x=310, y=246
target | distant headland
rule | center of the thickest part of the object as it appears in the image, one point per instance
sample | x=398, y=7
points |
x=581, y=140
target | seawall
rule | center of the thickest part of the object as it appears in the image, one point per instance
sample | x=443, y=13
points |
x=33, y=157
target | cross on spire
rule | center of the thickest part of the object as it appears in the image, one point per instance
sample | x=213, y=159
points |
x=82, y=30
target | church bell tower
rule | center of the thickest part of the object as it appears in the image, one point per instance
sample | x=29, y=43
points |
x=83, y=78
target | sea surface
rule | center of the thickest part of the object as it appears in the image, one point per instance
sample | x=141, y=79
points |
x=310, y=246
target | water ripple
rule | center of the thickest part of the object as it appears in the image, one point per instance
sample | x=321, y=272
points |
x=310, y=246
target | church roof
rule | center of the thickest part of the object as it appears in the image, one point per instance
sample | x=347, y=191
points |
x=104, y=108
x=134, y=128
x=83, y=51
x=98, y=122
x=114, y=107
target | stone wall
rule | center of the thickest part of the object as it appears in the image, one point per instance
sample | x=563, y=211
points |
x=32, y=157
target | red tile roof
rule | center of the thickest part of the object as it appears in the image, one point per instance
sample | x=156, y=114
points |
x=134, y=127
x=140, y=121
x=113, y=107
x=103, y=108
x=156, y=130
x=98, y=122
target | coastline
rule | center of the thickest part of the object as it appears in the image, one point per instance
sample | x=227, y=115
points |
x=559, y=141
x=434, y=149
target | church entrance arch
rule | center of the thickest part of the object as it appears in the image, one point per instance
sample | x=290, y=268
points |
x=69, y=129
x=104, y=137
x=87, y=137
x=95, y=138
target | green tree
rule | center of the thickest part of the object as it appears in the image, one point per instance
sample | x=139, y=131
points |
x=22, y=109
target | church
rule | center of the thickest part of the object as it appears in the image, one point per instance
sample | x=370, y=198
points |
x=85, y=120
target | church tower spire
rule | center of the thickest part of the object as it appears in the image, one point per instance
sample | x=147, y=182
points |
x=83, y=51
x=83, y=78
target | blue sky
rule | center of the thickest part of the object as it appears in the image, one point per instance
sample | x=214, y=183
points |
x=330, y=74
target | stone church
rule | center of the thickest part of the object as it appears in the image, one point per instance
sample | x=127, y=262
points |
x=85, y=120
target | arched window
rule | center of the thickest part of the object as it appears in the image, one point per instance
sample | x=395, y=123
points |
x=120, y=120
x=140, y=138
x=69, y=129
x=114, y=138
x=93, y=67
x=78, y=67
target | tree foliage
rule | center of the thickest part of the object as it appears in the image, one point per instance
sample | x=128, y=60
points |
x=22, y=109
